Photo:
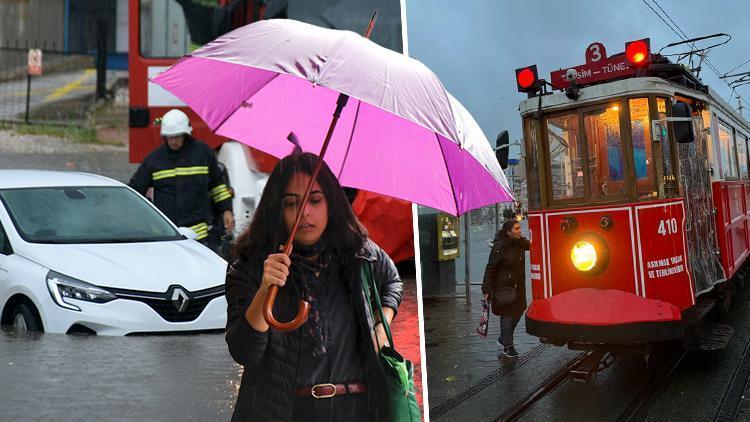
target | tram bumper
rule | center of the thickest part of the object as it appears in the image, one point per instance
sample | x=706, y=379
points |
x=603, y=316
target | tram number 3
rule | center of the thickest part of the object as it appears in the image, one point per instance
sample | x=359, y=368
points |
x=667, y=227
x=596, y=54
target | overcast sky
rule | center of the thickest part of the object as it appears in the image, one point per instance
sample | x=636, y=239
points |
x=474, y=46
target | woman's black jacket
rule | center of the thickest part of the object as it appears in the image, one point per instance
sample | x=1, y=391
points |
x=507, y=268
x=270, y=359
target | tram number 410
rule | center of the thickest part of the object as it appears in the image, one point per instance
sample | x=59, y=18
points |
x=667, y=227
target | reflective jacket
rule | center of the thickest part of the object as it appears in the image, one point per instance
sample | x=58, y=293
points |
x=186, y=183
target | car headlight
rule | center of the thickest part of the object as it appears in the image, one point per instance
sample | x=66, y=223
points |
x=62, y=288
x=590, y=254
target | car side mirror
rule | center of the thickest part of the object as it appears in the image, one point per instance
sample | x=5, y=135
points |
x=682, y=125
x=501, y=149
x=188, y=232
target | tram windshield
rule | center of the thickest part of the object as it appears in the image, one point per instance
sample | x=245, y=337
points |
x=603, y=152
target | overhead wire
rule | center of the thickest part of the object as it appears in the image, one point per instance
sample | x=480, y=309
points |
x=681, y=34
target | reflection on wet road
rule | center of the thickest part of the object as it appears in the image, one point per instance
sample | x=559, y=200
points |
x=96, y=378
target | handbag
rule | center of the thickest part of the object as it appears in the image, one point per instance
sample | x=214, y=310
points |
x=502, y=297
x=484, y=320
x=399, y=372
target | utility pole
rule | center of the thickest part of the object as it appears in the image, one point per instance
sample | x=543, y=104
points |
x=740, y=106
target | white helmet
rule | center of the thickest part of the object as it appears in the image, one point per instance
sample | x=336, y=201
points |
x=175, y=123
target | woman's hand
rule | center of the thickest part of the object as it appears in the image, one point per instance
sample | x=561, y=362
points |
x=382, y=337
x=275, y=271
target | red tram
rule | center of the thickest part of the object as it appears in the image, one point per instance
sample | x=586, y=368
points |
x=639, y=201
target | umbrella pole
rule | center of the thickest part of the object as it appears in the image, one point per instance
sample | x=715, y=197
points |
x=304, y=306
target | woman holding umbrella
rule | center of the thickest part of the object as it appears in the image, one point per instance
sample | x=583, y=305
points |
x=327, y=369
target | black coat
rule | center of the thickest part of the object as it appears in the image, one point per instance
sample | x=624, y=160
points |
x=270, y=359
x=507, y=268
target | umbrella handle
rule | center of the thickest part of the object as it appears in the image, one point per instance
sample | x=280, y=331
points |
x=302, y=311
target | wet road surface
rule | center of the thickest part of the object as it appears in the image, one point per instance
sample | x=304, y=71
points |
x=96, y=378
x=146, y=378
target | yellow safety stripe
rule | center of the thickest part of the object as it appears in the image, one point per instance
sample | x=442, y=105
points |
x=218, y=189
x=200, y=229
x=220, y=193
x=179, y=171
x=223, y=196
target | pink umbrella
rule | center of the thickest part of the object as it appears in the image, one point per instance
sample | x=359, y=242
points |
x=396, y=130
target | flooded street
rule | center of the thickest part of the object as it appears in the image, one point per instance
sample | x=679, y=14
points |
x=86, y=378
x=188, y=377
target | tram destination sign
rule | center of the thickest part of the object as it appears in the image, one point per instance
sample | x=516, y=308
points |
x=598, y=67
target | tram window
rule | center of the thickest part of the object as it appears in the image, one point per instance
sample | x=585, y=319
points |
x=606, y=165
x=668, y=171
x=727, y=150
x=532, y=174
x=565, y=155
x=742, y=155
x=642, y=151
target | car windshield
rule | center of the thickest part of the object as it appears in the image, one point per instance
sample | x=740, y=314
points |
x=85, y=215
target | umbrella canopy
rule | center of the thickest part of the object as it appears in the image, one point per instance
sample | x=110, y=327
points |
x=401, y=133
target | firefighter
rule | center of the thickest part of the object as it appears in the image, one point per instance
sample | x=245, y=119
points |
x=185, y=177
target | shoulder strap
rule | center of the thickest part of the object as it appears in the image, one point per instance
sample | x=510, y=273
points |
x=369, y=285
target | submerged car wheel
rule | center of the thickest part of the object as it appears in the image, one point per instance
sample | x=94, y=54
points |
x=24, y=319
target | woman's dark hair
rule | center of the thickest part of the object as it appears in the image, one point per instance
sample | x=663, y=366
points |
x=268, y=231
x=508, y=226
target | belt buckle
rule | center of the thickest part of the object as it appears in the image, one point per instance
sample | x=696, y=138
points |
x=323, y=396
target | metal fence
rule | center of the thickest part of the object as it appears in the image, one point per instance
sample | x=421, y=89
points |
x=62, y=94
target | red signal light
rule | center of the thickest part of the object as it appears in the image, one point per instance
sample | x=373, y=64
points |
x=638, y=52
x=527, y=78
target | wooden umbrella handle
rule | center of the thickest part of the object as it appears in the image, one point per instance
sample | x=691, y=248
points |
x=302, y=311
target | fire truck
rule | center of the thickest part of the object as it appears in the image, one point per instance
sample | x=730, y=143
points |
x=162, y=31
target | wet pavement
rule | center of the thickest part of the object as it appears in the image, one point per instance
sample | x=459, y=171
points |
x=461, y=363
x=76, y=87
x=164, y=378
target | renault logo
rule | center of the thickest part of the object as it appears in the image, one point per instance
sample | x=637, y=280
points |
x=180, y=299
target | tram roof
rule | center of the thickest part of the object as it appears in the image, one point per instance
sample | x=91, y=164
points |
x=624, y=88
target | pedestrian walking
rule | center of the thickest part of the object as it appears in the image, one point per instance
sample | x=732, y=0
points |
x=504, y=282
x=328, y=369
x=185, y=178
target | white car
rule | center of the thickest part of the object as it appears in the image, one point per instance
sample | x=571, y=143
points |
x=81, y=253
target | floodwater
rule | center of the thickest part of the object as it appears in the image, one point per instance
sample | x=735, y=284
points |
x=86, y=378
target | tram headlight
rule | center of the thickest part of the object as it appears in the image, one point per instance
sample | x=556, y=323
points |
x=583, y=256
x=590, y=254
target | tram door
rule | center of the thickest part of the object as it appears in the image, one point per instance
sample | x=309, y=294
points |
x=700, y=224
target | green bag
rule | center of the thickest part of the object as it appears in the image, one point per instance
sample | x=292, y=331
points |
x=399, y=371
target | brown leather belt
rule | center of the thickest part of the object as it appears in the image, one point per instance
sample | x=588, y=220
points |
x=327, y=390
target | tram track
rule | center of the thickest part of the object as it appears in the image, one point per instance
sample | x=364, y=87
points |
x=730, y=403
x=543, y=389
x=637, y=406
x=449, y=404
x=640, y=403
